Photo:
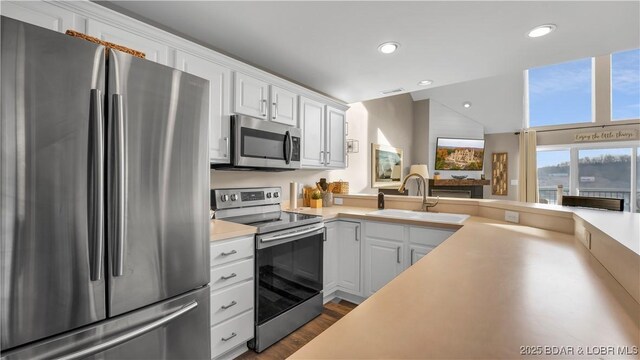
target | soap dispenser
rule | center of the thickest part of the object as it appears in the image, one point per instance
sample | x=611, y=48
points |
x=381, y=200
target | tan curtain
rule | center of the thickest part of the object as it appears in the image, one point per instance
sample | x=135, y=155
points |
x=528, y=170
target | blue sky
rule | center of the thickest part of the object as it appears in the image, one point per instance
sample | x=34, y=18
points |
x=554, y=157
x=625, y=85
x=562, y=93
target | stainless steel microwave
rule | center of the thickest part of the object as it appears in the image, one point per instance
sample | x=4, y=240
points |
x=264, y=145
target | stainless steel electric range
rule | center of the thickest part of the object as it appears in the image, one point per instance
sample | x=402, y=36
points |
x=288, y=269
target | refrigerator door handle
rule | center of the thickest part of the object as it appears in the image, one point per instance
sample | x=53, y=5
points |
x=120, y=186
x=96, y=185
x=129, y=335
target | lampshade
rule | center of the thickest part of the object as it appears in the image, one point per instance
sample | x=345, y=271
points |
x=420, y=169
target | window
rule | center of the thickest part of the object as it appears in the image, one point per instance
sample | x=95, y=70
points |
x=560, y=94
x=637, y=198
x=625, y=85
x=605, y=173
x=553, y=170
x=590, y=170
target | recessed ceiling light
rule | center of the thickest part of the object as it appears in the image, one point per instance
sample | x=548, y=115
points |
x=541, y=30
x=388, y=47
x=466, y=104
x=425, y=82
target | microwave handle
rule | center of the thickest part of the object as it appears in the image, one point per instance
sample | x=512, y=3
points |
x=288, y=147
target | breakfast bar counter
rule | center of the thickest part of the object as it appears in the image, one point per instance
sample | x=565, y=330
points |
x=491, y=290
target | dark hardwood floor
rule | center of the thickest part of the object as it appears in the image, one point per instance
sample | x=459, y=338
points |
x=286, y=347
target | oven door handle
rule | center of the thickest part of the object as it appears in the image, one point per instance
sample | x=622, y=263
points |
x=290, y=235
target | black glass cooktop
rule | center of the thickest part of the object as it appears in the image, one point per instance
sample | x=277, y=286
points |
x=273, y=221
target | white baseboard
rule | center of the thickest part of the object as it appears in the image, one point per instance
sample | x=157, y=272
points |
x=234, y=353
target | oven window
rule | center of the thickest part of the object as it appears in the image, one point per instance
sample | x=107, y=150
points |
x=262, y=144
x=288, y=274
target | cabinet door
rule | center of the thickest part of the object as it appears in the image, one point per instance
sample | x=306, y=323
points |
x=154, y=51
x=383, y=262
x=312, y=124
x=335, y=138
x=417, y=252
x=330, y=260
x=284, y=106
x=219, y=93
x=349, y=240
x=41, y=14
x=250, y=96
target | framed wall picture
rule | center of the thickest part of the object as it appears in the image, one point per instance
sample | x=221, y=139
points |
x=499, y=174
x=387, y=167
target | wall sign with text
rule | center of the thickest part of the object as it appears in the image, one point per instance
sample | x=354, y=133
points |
x=612, y=135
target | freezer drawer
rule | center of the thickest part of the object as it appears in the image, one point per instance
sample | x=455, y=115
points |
x=175, y=329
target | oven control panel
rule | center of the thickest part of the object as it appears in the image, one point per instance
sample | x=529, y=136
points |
x=243, y=197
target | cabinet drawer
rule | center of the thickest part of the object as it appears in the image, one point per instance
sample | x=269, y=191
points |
x=230, y=274
x=231, y=333
x=227, y=251
x=231, y=301
x=384, y=231
x=428, y=236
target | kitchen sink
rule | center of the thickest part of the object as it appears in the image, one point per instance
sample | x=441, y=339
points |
x=444, y=218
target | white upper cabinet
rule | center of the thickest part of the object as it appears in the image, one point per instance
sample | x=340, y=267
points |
x=154, y=51
x=219, y=101
x=40, y=14
x=312, y=122
x=284, y=106
x=250, y=96
x=335, y=138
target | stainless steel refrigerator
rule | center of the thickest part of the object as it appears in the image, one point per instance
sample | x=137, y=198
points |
x=104, y=180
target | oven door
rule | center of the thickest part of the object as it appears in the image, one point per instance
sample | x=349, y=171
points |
x=288, y=269
x=262, y=144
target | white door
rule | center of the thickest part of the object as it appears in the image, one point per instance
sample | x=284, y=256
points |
x=330, y=258
x=349, y=236
x=383, y=262
x=41, y=14
x=219, y=94
x=250, y=96
x=417, y=252
x=284, y=106
x=312, y=124
x=335, y=138
x=154, y=51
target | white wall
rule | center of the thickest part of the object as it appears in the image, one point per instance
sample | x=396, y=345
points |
x=444, y=122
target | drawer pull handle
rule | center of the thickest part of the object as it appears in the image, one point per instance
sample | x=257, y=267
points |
x=230, y=337
x=228, y=277
x=228, y=253
x=225, y=307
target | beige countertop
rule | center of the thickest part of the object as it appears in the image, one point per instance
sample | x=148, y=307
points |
x=488, y=290
x=622, y=226
x=222, y=230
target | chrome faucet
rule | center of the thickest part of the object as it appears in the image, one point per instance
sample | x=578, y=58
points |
x=425, y=205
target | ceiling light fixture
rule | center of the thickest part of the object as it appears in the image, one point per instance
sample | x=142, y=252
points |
x=388, y=47
x=541, y=30
x=466, y=104
x=425, y=82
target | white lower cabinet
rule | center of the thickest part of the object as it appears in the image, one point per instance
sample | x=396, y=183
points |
x=342, y=266
x=383, y=261
x=417, y=252
x=330, y=258
x=349, y=256
x=232, y=296
x=390, y=248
